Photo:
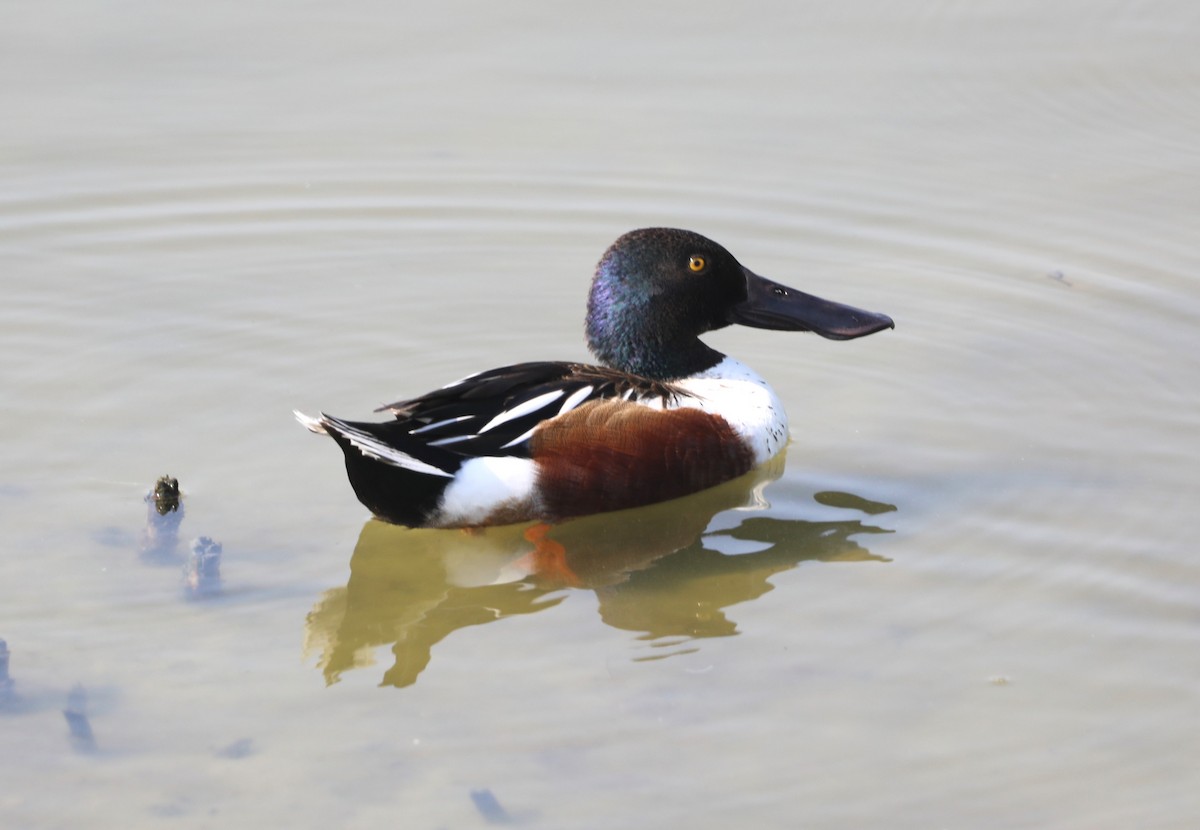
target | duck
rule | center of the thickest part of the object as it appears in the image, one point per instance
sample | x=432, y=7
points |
x=659, y=416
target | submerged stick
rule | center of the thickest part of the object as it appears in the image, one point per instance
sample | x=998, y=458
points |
x=203, y=571
x=6, y=683
x=164, y=513
x=77, y=720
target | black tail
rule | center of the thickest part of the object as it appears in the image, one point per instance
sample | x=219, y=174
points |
x=398, y=478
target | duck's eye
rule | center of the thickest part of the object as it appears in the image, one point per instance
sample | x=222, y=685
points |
x=697, y=264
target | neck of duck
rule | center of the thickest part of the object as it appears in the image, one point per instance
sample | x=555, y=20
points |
x=625, y=343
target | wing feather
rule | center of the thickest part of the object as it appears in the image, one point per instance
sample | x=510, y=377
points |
x=497, y=412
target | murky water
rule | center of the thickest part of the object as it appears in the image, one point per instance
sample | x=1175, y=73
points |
x=970, y=598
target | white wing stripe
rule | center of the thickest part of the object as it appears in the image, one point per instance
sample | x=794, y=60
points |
x=453, y=439
x=369, y=445
x=577, y=397
x=525, y=435
x=531, y=405
x=438, y=424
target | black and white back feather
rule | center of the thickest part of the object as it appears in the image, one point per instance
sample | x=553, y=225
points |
x=495, y=412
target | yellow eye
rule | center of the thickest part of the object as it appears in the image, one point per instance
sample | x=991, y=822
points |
x=697, y=264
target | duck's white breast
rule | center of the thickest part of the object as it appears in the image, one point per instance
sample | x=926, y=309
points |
x=739, y=395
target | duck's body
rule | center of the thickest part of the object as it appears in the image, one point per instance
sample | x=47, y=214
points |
x=666, y=416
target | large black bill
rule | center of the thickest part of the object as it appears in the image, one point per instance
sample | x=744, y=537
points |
x=769, y=305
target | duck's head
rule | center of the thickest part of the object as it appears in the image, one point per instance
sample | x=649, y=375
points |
x=657, y=289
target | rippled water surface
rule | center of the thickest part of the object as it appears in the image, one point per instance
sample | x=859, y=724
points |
x=969, y=596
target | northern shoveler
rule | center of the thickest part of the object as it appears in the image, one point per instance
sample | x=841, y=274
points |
x=664, y=416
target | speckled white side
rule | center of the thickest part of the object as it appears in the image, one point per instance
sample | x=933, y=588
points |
x=739, y=395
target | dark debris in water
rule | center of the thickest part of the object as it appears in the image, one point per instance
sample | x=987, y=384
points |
x=489, y=807
x=165, y=496
x=6, y=683
x=164, y=513
x=77, y=720
x=849, y=501
x=242, y=748
x=160, y=541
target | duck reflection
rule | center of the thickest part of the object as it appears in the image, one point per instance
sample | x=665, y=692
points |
x=655, y=570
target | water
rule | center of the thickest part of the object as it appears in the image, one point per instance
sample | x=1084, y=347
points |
x=968, y=599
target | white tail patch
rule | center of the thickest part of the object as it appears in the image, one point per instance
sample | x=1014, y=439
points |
x=483, y=485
